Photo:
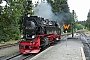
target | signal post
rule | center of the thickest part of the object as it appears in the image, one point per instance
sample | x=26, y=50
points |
x=66, y=28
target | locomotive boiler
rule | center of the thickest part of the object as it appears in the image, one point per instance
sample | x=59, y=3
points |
x=38, y=33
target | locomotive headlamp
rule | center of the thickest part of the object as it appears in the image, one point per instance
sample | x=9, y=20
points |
x=28, y=15
x=21, y=36
x=33, y=36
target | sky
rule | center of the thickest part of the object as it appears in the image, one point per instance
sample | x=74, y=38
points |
x=81, y=7
x=3, y=3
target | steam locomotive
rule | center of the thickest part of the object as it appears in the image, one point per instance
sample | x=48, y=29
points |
x=38, y=33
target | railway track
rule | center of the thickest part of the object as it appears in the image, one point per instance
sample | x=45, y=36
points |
x=13, y=56
x=8, y=45
x=86, y=43
x=20, y=56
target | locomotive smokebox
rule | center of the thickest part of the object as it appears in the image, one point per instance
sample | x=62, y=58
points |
x=29, y=27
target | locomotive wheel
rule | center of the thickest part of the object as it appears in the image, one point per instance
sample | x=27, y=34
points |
x=44, y=42
x=57, y=39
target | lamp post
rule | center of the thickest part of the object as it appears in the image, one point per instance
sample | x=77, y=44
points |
x=73, y=24
x=72, y=29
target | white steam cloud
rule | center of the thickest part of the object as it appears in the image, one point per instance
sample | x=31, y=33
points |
x=44, y=10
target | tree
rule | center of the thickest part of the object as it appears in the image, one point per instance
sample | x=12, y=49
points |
x=88, y=23
x=88, y=20
x=61, y=10
x=10, y=18
x=79, y=26
x=88, y=14
x=59, y=5
x=0, y=1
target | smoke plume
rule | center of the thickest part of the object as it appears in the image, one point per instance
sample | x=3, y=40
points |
x=44, y=10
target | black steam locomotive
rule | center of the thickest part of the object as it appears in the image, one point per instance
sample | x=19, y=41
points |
x=38, y=33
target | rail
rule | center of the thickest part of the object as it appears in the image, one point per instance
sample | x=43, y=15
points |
x=86, y=44
x=8, y=45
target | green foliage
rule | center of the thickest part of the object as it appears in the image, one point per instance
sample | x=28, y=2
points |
x=59, y=5
x=10, y=18
x=61, y=9
x=82, y=23
x=79, y=26
x=88, y=21
x=88, y=14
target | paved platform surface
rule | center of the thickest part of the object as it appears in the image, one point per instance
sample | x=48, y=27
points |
x=62, y=52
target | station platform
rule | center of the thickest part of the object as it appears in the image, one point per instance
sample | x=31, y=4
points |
x=70, y=50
